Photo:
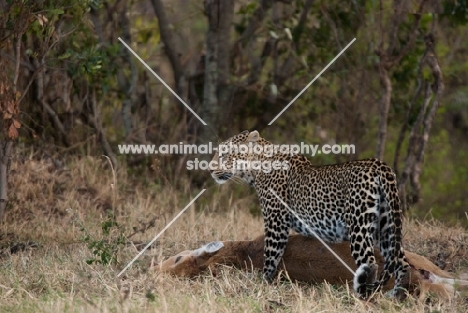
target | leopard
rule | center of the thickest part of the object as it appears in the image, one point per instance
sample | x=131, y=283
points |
x=355, y=201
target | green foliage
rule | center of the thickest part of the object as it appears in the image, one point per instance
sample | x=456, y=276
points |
x=152, y=297
x=97, y=64
x=75, y=47
x=444, y=190
x=106, y=247
x=147, y=32
x=456, y=11
x=245, y=11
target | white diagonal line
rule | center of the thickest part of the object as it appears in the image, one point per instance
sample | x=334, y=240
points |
x=162, y=81
x=161, y=232
x=312, y=81
x=314, y=233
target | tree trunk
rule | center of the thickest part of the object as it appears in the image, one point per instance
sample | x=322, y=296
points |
x=168, y=38
x=129, y=84
x=210, y=107
x=385, y=101
x=388, y=58
x=419, y=135
x=224, y=59
x=5, y=153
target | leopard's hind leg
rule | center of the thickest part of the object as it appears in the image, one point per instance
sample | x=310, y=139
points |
x=389, y=235
x=362, y=228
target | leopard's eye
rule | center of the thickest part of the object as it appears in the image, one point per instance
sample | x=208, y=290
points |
x=178, y=259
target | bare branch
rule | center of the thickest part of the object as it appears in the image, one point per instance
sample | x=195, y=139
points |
x=97, y=123
x=412, y=38
x=396, y=21
x=56, y=120
x=333, y=27
x=414, y=138
x=258, y=64
x=17, y=63
x=299, y=29
x=404, y=127
x=12, y=59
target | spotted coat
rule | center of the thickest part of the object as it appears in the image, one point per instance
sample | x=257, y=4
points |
x=355, y=201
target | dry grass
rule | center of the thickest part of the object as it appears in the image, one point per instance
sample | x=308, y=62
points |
x=43, y=258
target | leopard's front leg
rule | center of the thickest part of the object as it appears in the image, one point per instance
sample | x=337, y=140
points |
x=277, y=225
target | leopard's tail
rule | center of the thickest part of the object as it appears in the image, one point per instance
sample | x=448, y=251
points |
x=389, y=230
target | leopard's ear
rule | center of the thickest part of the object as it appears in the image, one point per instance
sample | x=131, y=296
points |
x=253, y=136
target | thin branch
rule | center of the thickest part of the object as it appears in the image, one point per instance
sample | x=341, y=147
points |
x=333, y=27
x=96, y=120
x=39, y=78
x=25, y=91
x=414, y=137
x=17, y=64
x=404, y=127
x=12, y=59
x=258, y=64
x=57, y=121
x=299, y=29
x=283, y=73
x=414, y=33
x=396, y=21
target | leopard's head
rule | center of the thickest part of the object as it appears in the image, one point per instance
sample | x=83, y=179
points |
x=234, y=157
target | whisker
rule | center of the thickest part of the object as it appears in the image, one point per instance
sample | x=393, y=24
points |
x=239, y=180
